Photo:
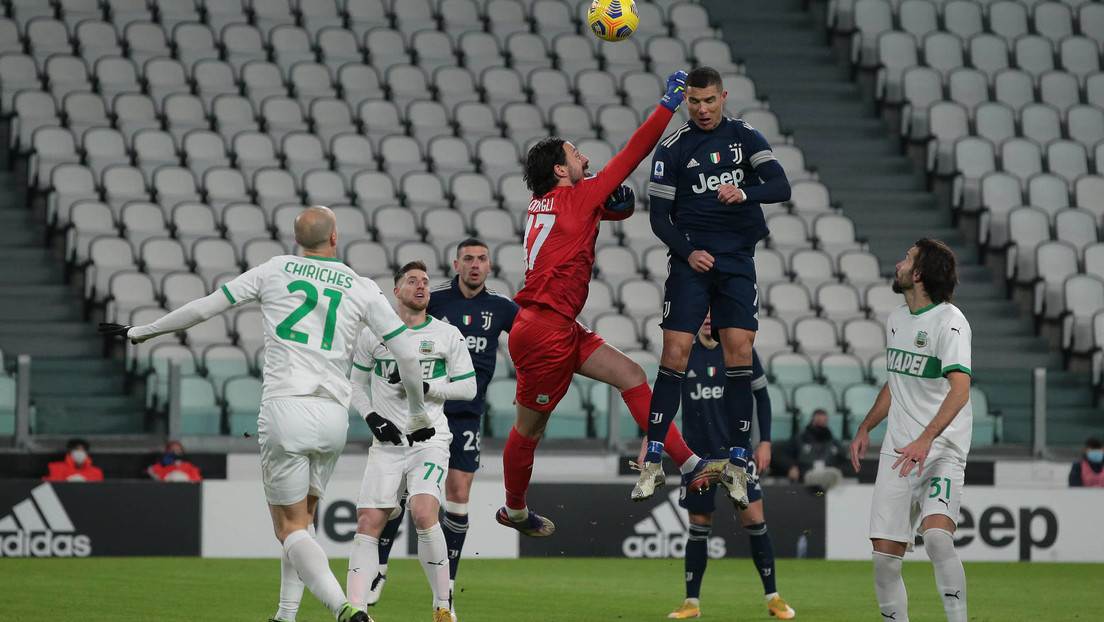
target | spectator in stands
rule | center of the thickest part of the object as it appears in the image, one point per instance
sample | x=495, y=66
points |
x=76, y=466
x=1089, y=470
x=817, y=454
x=173, y=467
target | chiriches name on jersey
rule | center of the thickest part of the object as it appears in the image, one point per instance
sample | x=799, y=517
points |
x=319, y=273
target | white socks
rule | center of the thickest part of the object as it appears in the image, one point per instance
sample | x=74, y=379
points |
x=310, y=562
x=433, y=555
x=890, y=587
x=291, y=587
x=950, y=578
x=690, y=464
x=363, y=567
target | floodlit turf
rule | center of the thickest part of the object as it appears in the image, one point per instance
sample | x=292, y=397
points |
x=189, y=589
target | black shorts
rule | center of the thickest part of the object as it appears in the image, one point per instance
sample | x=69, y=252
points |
x=728, y=291
x=704, y=502
x=464, y=449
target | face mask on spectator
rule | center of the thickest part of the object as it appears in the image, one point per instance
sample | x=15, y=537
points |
x=78, y=456
x=1095, y=456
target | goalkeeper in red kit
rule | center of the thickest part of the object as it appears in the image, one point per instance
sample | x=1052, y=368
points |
x=547, y=343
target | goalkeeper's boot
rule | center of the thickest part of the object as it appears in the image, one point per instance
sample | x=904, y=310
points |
x=778, y=608
x=376, y=589
x=686, y=610
x=442, y=615
x=651, y=477
x=534, y=525
x=350, y=613
x=705, y=474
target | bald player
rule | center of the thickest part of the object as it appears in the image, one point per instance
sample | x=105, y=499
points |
x=312, y=308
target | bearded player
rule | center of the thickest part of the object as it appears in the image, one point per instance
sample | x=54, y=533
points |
x=547, y=343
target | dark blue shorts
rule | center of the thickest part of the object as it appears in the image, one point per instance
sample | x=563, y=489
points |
x=464, y=449
x=728, y=291
x=703, y=502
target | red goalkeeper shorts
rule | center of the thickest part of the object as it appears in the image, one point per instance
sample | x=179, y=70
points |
x=547, y=349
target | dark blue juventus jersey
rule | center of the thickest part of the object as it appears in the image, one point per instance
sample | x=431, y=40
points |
x=705, y=424
x=481, y=319
x=688, y=168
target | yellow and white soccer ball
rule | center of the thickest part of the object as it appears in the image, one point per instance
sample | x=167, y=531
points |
x=613, y=20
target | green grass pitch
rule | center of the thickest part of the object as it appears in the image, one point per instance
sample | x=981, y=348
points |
x=191, y=589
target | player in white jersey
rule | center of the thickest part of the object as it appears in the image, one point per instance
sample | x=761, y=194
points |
x=923, y=457
x=313, y=307
x=419, y=470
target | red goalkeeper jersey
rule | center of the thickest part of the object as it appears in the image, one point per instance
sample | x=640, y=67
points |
x=562, y=226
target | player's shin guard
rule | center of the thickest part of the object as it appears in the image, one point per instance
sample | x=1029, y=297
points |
x=739, y=403
x=762, y=553
x=433, y=555
x=950, y=577
x=517, y=466
x=665, y=403
x=291, y=587
x=363, y=567
x=313, y=567
x=889, y=587
x=455, y=527
x=697, y=555
x=639, y=399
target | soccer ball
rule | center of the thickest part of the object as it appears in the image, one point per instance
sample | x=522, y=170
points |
x=613, y=20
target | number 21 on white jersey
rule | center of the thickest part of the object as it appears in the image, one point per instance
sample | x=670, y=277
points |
x=537, y=228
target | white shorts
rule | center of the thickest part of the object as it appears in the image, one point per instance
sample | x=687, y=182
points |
x=900, y=504
x=392, y=469
x=301, y=439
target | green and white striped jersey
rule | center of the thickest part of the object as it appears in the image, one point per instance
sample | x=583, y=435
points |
x=313, y=308
x=921, y=349
x=444, y=357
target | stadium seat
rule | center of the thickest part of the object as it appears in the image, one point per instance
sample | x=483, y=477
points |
x=815, y=336
x=1055, y=261
x=140, y=221
x=127, y=291
x=838, y=301
x=180, y=288
x=859, y=268
x=863, y=337
x=200, y=413
x=788, y=301
x=224, y=186
x=1084, y=296
x=88, y=220
x=811, y=267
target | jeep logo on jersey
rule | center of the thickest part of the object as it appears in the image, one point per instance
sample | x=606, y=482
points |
x=713, y=182
x=707, y=393
x=39, y=526
x=921, y=339
x=658, y=172
x=426, y=347
x=476, y=344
